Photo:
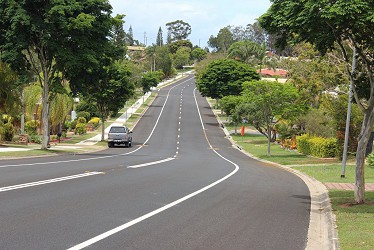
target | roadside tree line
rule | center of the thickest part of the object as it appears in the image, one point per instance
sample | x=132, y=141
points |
x=322, y=42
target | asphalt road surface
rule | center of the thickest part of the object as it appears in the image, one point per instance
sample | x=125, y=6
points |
x=181, y=186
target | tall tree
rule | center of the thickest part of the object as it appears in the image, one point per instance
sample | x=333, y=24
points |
x=130, y=37
x=159, y=40
x=52, y=37
x=179, y=30
x=118, y=33
x=225, y=77
x=330, y=25
x=223, y=40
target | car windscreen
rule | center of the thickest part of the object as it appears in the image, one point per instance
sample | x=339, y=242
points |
x=117, y=130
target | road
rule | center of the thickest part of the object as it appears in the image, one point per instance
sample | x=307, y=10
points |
x=181, y=186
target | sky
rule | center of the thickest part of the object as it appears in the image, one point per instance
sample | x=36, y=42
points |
x=206, y=17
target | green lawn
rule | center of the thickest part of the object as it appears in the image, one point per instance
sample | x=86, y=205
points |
x=355, y=222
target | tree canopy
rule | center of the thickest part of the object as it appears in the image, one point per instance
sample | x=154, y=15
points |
x=57, y=40
x=225, y=77
x=328, y=25
x=178, y=30
x=265, y=103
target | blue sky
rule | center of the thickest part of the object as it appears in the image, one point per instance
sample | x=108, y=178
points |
x=206, y=17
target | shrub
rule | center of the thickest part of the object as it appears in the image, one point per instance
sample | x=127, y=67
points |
x=31, y=127
x=73, y=124
x=81, y=120
x=80, y=129
x=8, y=131
x=84, y=114
x=95, y=121
x=370, y=160
x=317, y=146
x=35, y=139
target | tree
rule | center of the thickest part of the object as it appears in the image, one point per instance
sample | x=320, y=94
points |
x=223, y=40
x=198, y=54
x=225, y=77
x=229, y=104
x=109, y=87
x=179, y=30
x=149, y=80
x=159, y=40
x=61, y=105
x=266, y=103
x=63, y=37
x=328, y=26
x=174, y=46
x=313, y=74
x=118, y=33
x=9, y=96
x=247, y=52
x=164, y=61
x=182, y=57
x=130, y=37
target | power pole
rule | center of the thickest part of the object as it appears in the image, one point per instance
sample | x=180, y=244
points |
x=345, y=152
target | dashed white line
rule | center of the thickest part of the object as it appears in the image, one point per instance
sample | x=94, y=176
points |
x=151, y=163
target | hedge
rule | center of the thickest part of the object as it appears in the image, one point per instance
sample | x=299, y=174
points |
x=317, y=146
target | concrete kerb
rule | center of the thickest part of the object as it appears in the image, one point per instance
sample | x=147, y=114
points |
x=322, y=231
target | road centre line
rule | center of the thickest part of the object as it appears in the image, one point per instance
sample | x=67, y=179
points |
x=170, y=205
x=151, y=163
x=108, y=156
x=38, y=183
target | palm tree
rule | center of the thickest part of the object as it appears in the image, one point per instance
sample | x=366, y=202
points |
x=61, y=105
x=248, y=52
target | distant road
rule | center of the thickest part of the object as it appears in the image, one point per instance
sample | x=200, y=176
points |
x=181, y=186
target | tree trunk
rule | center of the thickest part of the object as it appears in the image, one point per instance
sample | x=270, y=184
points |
x=45, y=113
x=269, y=140
x=366, y=129
x=102, y=128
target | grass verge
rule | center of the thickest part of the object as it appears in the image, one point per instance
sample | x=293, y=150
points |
x=355, y=222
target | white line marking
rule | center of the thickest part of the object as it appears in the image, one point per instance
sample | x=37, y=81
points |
x=151, y=163
x=38, y=183
x=108, y=156
x=157, y=211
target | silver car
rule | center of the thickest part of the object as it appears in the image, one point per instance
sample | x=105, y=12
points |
x=119, y=135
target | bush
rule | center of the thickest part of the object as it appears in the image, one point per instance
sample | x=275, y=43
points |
x=8, y=132
x=370, y=160
x=317, y=146
x=95, y=121
x=73, y=124
x=84, y=114
x=35, y=139
x=80, y=129
x=81, y=120
x=31, y=127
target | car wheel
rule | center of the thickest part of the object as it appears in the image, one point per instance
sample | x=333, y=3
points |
x=110, y=145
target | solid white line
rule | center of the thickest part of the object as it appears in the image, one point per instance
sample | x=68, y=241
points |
x=38, y=183
x=157, y=211
x=151, y=163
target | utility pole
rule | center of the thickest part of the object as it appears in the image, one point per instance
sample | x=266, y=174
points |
x=345, y=152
